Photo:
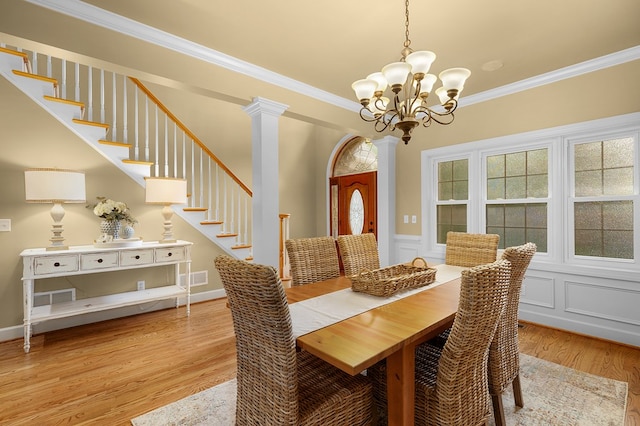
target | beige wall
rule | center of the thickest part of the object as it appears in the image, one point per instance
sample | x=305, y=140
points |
x=606, y=93
x=32, y=138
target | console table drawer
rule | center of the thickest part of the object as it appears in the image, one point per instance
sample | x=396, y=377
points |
x=55, y=264
x=136, y=257
x=170, y=254
x=93, y=261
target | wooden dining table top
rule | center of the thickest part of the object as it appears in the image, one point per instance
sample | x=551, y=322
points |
x=390, y=332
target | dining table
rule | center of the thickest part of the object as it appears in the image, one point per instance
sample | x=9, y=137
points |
x=353, y=331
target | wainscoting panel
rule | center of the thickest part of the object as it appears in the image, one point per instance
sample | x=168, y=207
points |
x=595, y=300
x=538, y=290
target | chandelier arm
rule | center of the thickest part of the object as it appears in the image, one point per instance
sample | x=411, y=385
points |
x=440, y=118
x=367, y=116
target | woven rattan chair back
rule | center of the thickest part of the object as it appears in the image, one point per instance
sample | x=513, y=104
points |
x=358, y=253
x=451, y=381
x=459, y=395
x=312, y=259
x=278, y=385
x=471, y=249
x=504, y=352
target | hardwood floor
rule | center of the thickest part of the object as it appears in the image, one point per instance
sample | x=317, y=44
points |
x=110, y=372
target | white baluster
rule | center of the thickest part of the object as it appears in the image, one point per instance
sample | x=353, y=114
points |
x=146, y=129
x=125, y=111
x=114, y=115
x=136, y=121
x=89, y=93
x=76, y=77
x=102, y=113
x=157, y=146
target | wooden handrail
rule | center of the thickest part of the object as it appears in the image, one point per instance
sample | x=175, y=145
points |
x=191, y=135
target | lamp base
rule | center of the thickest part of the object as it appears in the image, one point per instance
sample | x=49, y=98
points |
x=54, y=248
x=167, y=241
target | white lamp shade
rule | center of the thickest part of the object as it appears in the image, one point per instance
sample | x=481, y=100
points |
x=454, y=78
x=380, y=81
x=54, y=186
x=426, y=85
x=420, y=61
x=164, y=190
x=364, y=88
x=443, y=95
x=396, y=72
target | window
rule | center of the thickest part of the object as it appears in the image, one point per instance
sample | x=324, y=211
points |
x=453, y=196
x=517, y=187
x=573, y=190
x=603, y=188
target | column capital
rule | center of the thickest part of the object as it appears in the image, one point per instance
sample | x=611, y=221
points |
x=386, y=141
x=264, y=106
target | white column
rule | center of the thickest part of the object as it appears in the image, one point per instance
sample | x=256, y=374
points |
x=266, y=221
x=386, y=197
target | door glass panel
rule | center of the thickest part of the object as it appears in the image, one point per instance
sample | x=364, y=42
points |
x=356, y=213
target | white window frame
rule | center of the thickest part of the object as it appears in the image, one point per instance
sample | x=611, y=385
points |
x=559, y=256
x=548, y=200
x=571, y=199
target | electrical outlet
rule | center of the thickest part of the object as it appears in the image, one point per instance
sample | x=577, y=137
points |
x=5, y=225
x=140, y=285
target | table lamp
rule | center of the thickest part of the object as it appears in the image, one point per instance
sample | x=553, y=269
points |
x=166, y=191
x=55, y=186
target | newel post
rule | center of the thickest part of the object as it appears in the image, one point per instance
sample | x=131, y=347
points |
x=265, y=212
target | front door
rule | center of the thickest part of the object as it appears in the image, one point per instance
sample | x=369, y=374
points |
x=354, y=204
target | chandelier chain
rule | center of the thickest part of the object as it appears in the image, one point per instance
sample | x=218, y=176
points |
x=407, y=42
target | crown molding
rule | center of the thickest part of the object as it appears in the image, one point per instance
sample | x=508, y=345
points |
x=111, y=21
x=613, y=59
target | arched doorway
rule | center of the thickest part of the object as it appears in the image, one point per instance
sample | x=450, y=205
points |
x=353, y=189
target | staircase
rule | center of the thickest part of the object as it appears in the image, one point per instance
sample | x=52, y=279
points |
x=122, y=120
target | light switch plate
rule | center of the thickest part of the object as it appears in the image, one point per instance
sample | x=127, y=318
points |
x=414, y=219
x=5, y=225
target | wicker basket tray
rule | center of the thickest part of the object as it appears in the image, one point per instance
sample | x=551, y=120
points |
x=387, y=281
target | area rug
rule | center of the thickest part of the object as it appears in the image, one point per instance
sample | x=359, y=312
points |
x=553, y=395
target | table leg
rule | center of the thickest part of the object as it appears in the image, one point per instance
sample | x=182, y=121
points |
x=401, y=386
x=27, y=294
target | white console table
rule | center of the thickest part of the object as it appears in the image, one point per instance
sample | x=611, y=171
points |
x=79, y=260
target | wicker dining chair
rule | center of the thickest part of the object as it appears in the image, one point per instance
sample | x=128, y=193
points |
x=358, y=253
x=451, y=381
x=312, y=259
x=504, y=352
x=278, y=385
x=469, y=250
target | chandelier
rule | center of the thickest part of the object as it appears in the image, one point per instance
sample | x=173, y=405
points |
x=410, y=86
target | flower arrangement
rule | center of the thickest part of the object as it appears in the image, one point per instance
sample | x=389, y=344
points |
x=112, y=210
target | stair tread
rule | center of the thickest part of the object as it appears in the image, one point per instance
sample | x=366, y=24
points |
x=144, y=163
x=211, y=222
x=64, y=101
x=195, y=209
x=226, y=235
x=241, y=246
x=36, y=77
x=122, y=144
x=13, y=52
x=91, y=123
